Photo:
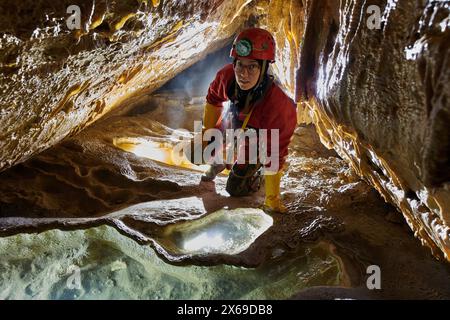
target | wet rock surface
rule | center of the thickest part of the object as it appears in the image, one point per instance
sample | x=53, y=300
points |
x=377, y=93
x=379, y=96
x=99, y=263
x=376, y=96
x=328, y=206
x=55, y=81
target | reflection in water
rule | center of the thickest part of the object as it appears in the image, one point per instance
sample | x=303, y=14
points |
x=206, y=241
x=161, y=151
x=100, y=263
x=158, y=151
x=224, y=231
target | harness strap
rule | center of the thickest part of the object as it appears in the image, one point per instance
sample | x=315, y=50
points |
x=247, y=101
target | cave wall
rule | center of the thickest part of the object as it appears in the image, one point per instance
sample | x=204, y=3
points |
x=55, y=81
x=379, y=97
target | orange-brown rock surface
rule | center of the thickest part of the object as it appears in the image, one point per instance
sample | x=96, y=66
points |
x=378, y=96
x=55, y=81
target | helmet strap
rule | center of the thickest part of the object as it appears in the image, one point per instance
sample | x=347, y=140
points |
x=262, y=73
x=250, y=94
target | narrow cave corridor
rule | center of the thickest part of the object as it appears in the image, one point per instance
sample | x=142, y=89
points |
x=95, y=203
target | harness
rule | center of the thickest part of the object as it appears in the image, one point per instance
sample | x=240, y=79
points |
x=245, y=179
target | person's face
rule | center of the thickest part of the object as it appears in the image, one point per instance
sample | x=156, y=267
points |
x=247, y=73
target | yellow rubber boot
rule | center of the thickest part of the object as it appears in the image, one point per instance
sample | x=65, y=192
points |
x=273, y=199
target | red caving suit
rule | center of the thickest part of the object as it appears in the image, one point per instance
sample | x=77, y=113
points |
x=274, y=111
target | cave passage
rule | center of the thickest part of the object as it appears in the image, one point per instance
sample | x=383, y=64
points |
x=97, y=202
x=122, y=173
x=180, y=238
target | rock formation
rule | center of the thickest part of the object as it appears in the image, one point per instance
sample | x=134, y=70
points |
x=379, y=97
x=373, y=76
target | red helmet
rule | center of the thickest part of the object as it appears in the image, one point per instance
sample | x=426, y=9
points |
x=254, y=43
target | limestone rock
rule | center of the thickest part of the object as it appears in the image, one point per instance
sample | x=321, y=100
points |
x=380, y=98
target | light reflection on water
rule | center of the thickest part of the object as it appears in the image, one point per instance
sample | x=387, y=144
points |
x=100, y=263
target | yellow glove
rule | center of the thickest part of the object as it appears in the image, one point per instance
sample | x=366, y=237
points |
x=273, y=198
x=211, y=115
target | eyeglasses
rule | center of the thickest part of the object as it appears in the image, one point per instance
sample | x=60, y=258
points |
x=251, y=68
